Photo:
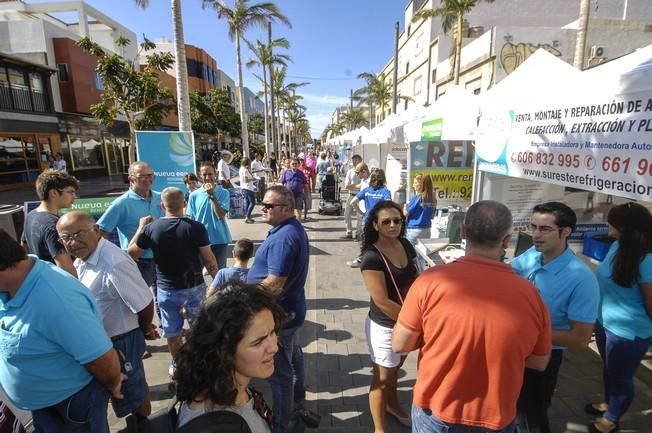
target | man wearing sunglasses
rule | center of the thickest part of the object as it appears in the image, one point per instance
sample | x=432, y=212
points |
x=57, y=190
x=571, y=294
x=280, y=267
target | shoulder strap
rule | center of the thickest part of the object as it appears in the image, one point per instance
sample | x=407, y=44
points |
x=262, y=408
x=389, y=271
x=219, y=421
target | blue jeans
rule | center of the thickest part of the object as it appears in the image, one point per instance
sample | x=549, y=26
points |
x=171, y=302
x=219, y=251
x=250, y=199
x=82, y=412
x=423, y=421
x=287, y=382
x=620, y=359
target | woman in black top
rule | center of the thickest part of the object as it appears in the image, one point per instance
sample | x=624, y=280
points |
x=388, y=270
x=273, y=166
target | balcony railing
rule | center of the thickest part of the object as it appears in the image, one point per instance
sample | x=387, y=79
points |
x=13, y=98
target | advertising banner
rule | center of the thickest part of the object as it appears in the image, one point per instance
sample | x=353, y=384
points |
x=171, y=154
x=448, y=162
x=600, y=144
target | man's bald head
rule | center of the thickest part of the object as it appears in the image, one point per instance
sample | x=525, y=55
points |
x=173, y=199
x=78, y=233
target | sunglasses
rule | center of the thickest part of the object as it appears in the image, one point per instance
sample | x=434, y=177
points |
x=388, y=221
x=268, y=206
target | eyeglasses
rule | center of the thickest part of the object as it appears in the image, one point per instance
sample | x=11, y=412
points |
x=543, y=229
x=69, y=191
x=145, y=176
x=268, y=206
x=388, y=221
x=64, y=239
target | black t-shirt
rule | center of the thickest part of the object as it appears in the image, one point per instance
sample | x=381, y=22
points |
x=175, y=243
x=404, y=277
x=41, y=236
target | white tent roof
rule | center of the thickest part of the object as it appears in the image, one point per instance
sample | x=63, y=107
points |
x=634, y=72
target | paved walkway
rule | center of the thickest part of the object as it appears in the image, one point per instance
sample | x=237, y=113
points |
x=338, y=367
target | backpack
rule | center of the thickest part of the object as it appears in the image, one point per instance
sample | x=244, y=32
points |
x=219, y=421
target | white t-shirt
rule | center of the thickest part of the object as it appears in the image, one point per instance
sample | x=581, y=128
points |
x=256, y=166
x=351, y=178
x=244, y=173
x=223, y=172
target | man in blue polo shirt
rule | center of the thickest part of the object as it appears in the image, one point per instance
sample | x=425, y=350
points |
x=57, y=360
x=571, y=294
x=210, y=205
x=280, y=267
x=125, y=213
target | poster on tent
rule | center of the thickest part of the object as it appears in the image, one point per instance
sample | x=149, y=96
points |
x=449, y=163
x=170, y=154
x=601, y=144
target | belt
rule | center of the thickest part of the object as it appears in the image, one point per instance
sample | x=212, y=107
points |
x=119, y=336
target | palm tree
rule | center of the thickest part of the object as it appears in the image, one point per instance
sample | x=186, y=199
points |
x=181, y=68
x=377, y=92
x=582, y=30
x=282, y=93
x=239, y=19
x=451, y=13
x=266, y=58
x=354, y=117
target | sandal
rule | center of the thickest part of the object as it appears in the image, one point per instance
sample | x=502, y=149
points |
x=594, y=429
x=592, y=410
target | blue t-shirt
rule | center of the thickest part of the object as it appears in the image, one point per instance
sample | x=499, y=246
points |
x=175, y=243
x=125, y=213
x=294, y=181
x=41, y=235
x=568, y=287
x=201, y=209
x=285, y=254
x=623, y=309
x=225, y=275
x=50, y=330
x=371, y=197
x=419, y=213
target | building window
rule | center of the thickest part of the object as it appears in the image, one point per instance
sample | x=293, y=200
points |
x=433, y=75
x=407, y=103
x=418, y=48
x=407, y=67
x=86, y=153
x=417, y=86
x=474, y=85
x=63, y=72
x=99, y=85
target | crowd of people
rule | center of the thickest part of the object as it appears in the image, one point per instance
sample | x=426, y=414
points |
x=76, y=309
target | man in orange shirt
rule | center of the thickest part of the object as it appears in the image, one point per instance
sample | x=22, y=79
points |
x=477, y=325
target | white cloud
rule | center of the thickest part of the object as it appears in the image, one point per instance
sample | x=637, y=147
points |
x=325, y=99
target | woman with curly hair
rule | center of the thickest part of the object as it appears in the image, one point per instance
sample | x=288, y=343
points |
x=624, y=328
x=233, y=339
x=388, y=270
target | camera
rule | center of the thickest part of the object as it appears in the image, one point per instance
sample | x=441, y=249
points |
x=303, y=418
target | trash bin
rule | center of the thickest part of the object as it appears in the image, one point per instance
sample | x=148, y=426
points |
x=12, y=220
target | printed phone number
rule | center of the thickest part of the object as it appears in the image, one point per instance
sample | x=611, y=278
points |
x=610, y=164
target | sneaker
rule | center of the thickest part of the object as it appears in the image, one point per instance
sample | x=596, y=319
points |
x=171, y=368
x=355, y=263
x=348, y=235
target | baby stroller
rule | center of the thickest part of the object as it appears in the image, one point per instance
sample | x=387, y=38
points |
x=329, y=196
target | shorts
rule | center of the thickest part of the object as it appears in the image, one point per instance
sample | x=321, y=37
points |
x=130, y=348
x=379, y=340
x=307, y=201
x=298, y=201
x=171, y=302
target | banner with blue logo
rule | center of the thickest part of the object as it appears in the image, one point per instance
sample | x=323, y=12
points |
x=170, y=154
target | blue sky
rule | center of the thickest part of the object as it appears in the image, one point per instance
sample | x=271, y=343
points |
x=331, y=42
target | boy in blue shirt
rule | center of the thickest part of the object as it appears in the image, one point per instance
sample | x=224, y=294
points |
x=243, y=251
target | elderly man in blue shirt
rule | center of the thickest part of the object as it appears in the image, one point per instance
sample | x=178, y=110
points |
x=210, y=205
x=57, y=360
x=281, y=267
x=570, y=291
x=125, y=213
